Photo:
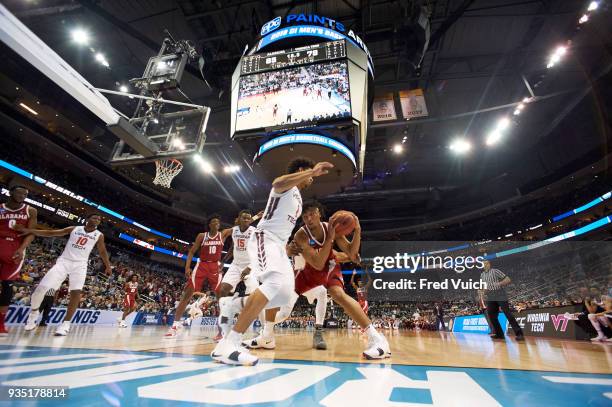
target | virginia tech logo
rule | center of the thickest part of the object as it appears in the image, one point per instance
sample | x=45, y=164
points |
x=271, y=26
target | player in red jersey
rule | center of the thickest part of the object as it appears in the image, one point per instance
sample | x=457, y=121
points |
x=129, y=300
x=14, y=213
x=362, y=290
x=206, y=270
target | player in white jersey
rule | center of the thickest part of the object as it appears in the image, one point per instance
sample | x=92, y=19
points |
x=231, y=305
x=72, y=263
x=194, y=310
x=269, y=261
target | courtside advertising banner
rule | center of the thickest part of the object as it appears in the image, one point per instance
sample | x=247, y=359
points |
x=18, y=315
x=413, y=104
x=555, y=322
x=383, y=108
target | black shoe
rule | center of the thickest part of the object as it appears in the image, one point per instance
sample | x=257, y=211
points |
x=497, y=337
x=520, y=337
x=42, y=324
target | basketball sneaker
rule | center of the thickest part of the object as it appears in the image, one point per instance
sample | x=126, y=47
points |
x=230, y=354
x=317, y=340
x=123, y=324
x=259, y=343
x=171, y=332
x=378, y=348
x=32, y=322
x=599, y=338
x=63, y=329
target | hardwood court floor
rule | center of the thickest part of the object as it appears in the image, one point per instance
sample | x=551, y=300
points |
x=408, y=348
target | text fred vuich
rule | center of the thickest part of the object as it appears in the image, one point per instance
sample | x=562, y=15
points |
x=426, y=284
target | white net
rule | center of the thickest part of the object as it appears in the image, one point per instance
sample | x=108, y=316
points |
x=166, y=170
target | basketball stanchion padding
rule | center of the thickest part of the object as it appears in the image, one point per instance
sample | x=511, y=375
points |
x=166, y=170
x=344, y=222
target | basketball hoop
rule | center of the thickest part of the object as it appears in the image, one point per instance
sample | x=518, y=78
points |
x=166, y=170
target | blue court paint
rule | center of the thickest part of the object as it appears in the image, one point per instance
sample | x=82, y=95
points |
x=157, y=379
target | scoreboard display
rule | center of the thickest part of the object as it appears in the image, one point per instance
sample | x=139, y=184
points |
x=293, y=57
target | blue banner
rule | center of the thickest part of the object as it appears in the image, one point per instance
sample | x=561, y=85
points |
x=477, y=324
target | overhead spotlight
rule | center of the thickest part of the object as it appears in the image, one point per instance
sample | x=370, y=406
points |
x=80, y=36
x=517, y=112
x=198, y=158
x=102, y=59
x=503, y=123
x=556, y=56
x=493, y=138
x=460, y=146
x=526, y=100
x=583, y=19
x=593, y=6
x=206, y=167
x=123, y=88
x=28, y=108
x=231, y=168
x=397, y=149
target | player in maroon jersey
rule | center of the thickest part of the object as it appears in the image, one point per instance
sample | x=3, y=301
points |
x=361, y=289
x=14, y=214
x=129, y=299
x=206, y=270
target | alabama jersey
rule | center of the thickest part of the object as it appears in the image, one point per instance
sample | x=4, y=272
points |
x=240, y=240
x=80, y=244
x=211, y=249
x=362, y=295
x=282, y=211
x=330, y=263
x=9, y=218
x=131, y=288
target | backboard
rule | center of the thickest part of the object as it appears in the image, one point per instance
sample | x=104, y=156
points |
x=177, y=134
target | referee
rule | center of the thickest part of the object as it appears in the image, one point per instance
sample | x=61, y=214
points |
x=497, y=298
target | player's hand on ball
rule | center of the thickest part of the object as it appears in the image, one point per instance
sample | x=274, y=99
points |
x=321, y=168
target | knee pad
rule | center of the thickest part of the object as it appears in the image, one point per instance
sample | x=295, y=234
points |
x=7, y=293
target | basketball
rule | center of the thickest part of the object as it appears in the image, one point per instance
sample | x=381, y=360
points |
x=344, y=222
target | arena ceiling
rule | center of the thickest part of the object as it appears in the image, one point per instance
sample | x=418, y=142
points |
x=479, y=56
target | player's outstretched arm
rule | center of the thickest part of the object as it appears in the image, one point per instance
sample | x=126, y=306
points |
x=369, y=283
x=225, y=233
x=316, y=258
x=353, y=280
x=192, y=251
x=47, y=232
x=104, y=255
x=32, y=223
x=288, y=181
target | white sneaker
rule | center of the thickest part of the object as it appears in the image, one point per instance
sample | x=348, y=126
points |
x=171, y=332
x=63, y=329
x=260, y=343
x=32, y=321
x=599, y=338
x=122, y=324
x=230, y=354
x=378, y=348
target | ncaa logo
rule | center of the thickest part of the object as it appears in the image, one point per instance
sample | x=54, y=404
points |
x=271, y=26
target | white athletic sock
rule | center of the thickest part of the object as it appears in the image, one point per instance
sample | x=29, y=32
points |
x=371, y=331
x=37, y=297
x=226, y=315
x=268, y=330
x=234, y=337
x=321, y=307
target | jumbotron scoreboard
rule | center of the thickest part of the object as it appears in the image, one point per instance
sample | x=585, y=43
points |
x=296, y=56
x=303, y=91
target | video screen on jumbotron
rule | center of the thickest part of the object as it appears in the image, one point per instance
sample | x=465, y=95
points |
x=307, y=93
